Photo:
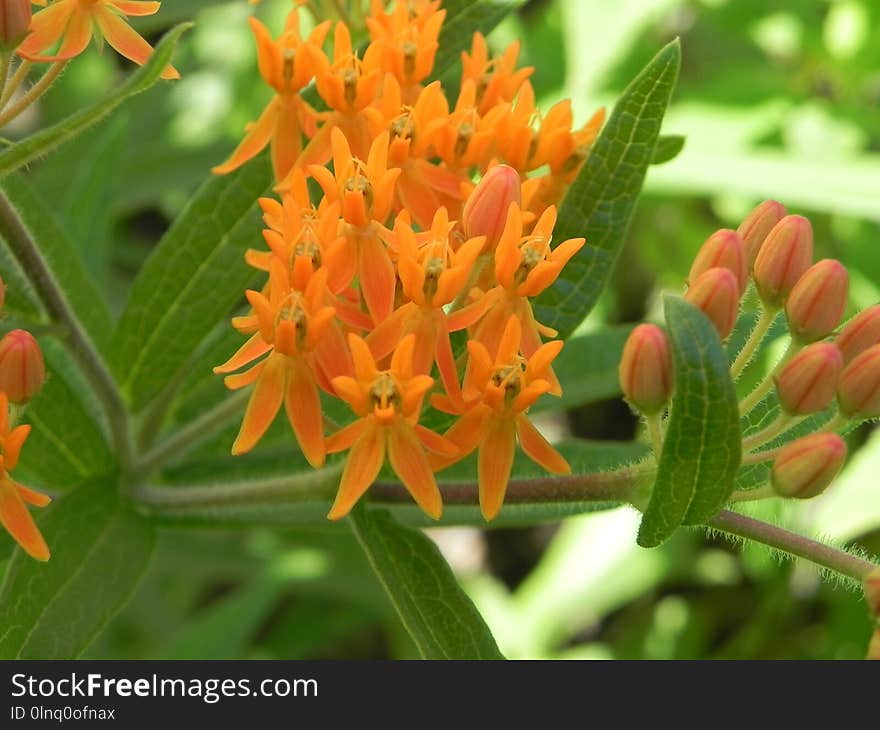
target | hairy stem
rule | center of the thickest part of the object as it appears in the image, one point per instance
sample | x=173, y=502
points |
x=13, y=83
x=757, y=395
x=34, y=93
x=789, y=542
x=765, y=321
x=655, y=433
x=782, y=423
x=25, y=249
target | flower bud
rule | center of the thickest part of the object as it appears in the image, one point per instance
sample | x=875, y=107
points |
x=485, y=211
x=716, y=292
x=818, y=300
x=872, y=592
x=22, y=370
x=858, y=392
x=723, y=249
x=808, y=381
x=757, y=225
x=804, y=468
x=860, y=333
x=646, y=368
x=784, y=257
x=15, y=20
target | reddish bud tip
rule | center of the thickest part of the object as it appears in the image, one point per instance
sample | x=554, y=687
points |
x=818, y=300
x=808, y=381
x=15, y=21
x=860, y=333
x=757, y=225
x=858, y=392
x=804, y=468
x=716, y=292
x=784, y=257
x=485, y=211
x=872, y=592
x=723, y=249
x=646, y=368
x=22, y=370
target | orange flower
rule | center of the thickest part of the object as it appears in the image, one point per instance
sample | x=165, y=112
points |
x=287, y=65
x=496, y=80
x=365, y=193
x=73, y=22
x=499, y=393
x=13, y=496
x=296, y=328
x=432, y=275
x=389, y=403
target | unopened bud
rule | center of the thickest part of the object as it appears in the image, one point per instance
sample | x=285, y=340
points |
x=757, y=225
x=872, y=592
x=15, y=20
x=804, y=468
x=858, y=393
x=818, y=300
x=808, y=381
x=723, y=249
x=646, y=368
x=22, y=370
x=860, y=333
x=716, y=292
x=784, y=257
x=485, y=211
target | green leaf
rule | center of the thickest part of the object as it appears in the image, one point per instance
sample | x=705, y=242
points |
x=701, y=452
x=54, y=610
x=668, y=147
x=440, y=618
x=192, y=280
x=39, y=144
x=600, y=202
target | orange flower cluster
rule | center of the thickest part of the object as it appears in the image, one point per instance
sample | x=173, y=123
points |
x=366, y=285
x=22, y=373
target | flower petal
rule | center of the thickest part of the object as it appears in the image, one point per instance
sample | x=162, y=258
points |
x=494, y=464
x=345, y=437
x=38, y=499
x=263, y=405
x=408, y=459
x=258, y=135
x=127, y=41
x=136, y=7
x=14, y=516
x=47, y=26
x=303, y=406
x=538, y=448
x=361, y=469
x=255, y=347
x=377, y=278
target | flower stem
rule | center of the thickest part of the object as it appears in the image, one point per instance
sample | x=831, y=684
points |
x=12, y=84
x=655, y=433
x=5, y=62
x=477, y=269
x=782, y=423
x=34, y=93
x=765, y=321
x=81, y=346
x=764, y=387
x=819, y=553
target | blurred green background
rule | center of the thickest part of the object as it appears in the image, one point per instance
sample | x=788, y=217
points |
x=776, y=99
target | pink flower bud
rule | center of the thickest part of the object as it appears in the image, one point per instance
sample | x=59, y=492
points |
x=804, y=468
x=784, y=257
x=818, y=300
x=858, y=392
x=757, y=224
x=872, y=592
x=860, y=333
x=646, y=368
x=723, y=249
x=485, y=211
x=808, y=381
x=15, y=20
x=716, y=292
x=22, y=370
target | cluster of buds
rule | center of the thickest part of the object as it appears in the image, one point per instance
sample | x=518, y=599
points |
x=22, y=373
x=367, y=281
x=825, y=366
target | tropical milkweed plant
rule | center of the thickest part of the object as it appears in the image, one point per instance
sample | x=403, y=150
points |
x=354, y=320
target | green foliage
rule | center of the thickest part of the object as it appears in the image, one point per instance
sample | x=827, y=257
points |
x=441, y=619
x=53, y=610
x=701, y=450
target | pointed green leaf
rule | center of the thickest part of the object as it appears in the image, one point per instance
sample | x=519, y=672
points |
x=600, y=202
x=669, y=146
x=101, y=548
x=41, y=143
x=702, y=448
x=440, y=618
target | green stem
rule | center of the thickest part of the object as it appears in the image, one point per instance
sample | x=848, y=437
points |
x=762, y=326
x=783, y=422
x=789, y=542
x=34, y=93
x=477, y=269
x=759, y=457
x=655, y=433
x=17, y=80
x=5, y=62
x=81, y=346
x=765, y=386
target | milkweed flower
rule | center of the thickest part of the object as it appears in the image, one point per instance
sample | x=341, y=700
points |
x=14, y=497
x=72, y=22
x=287, y=65
x=498, y=392
x=388, y=403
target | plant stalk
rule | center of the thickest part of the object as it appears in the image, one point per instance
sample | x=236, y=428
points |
x=34, y=93
x=762, y=326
